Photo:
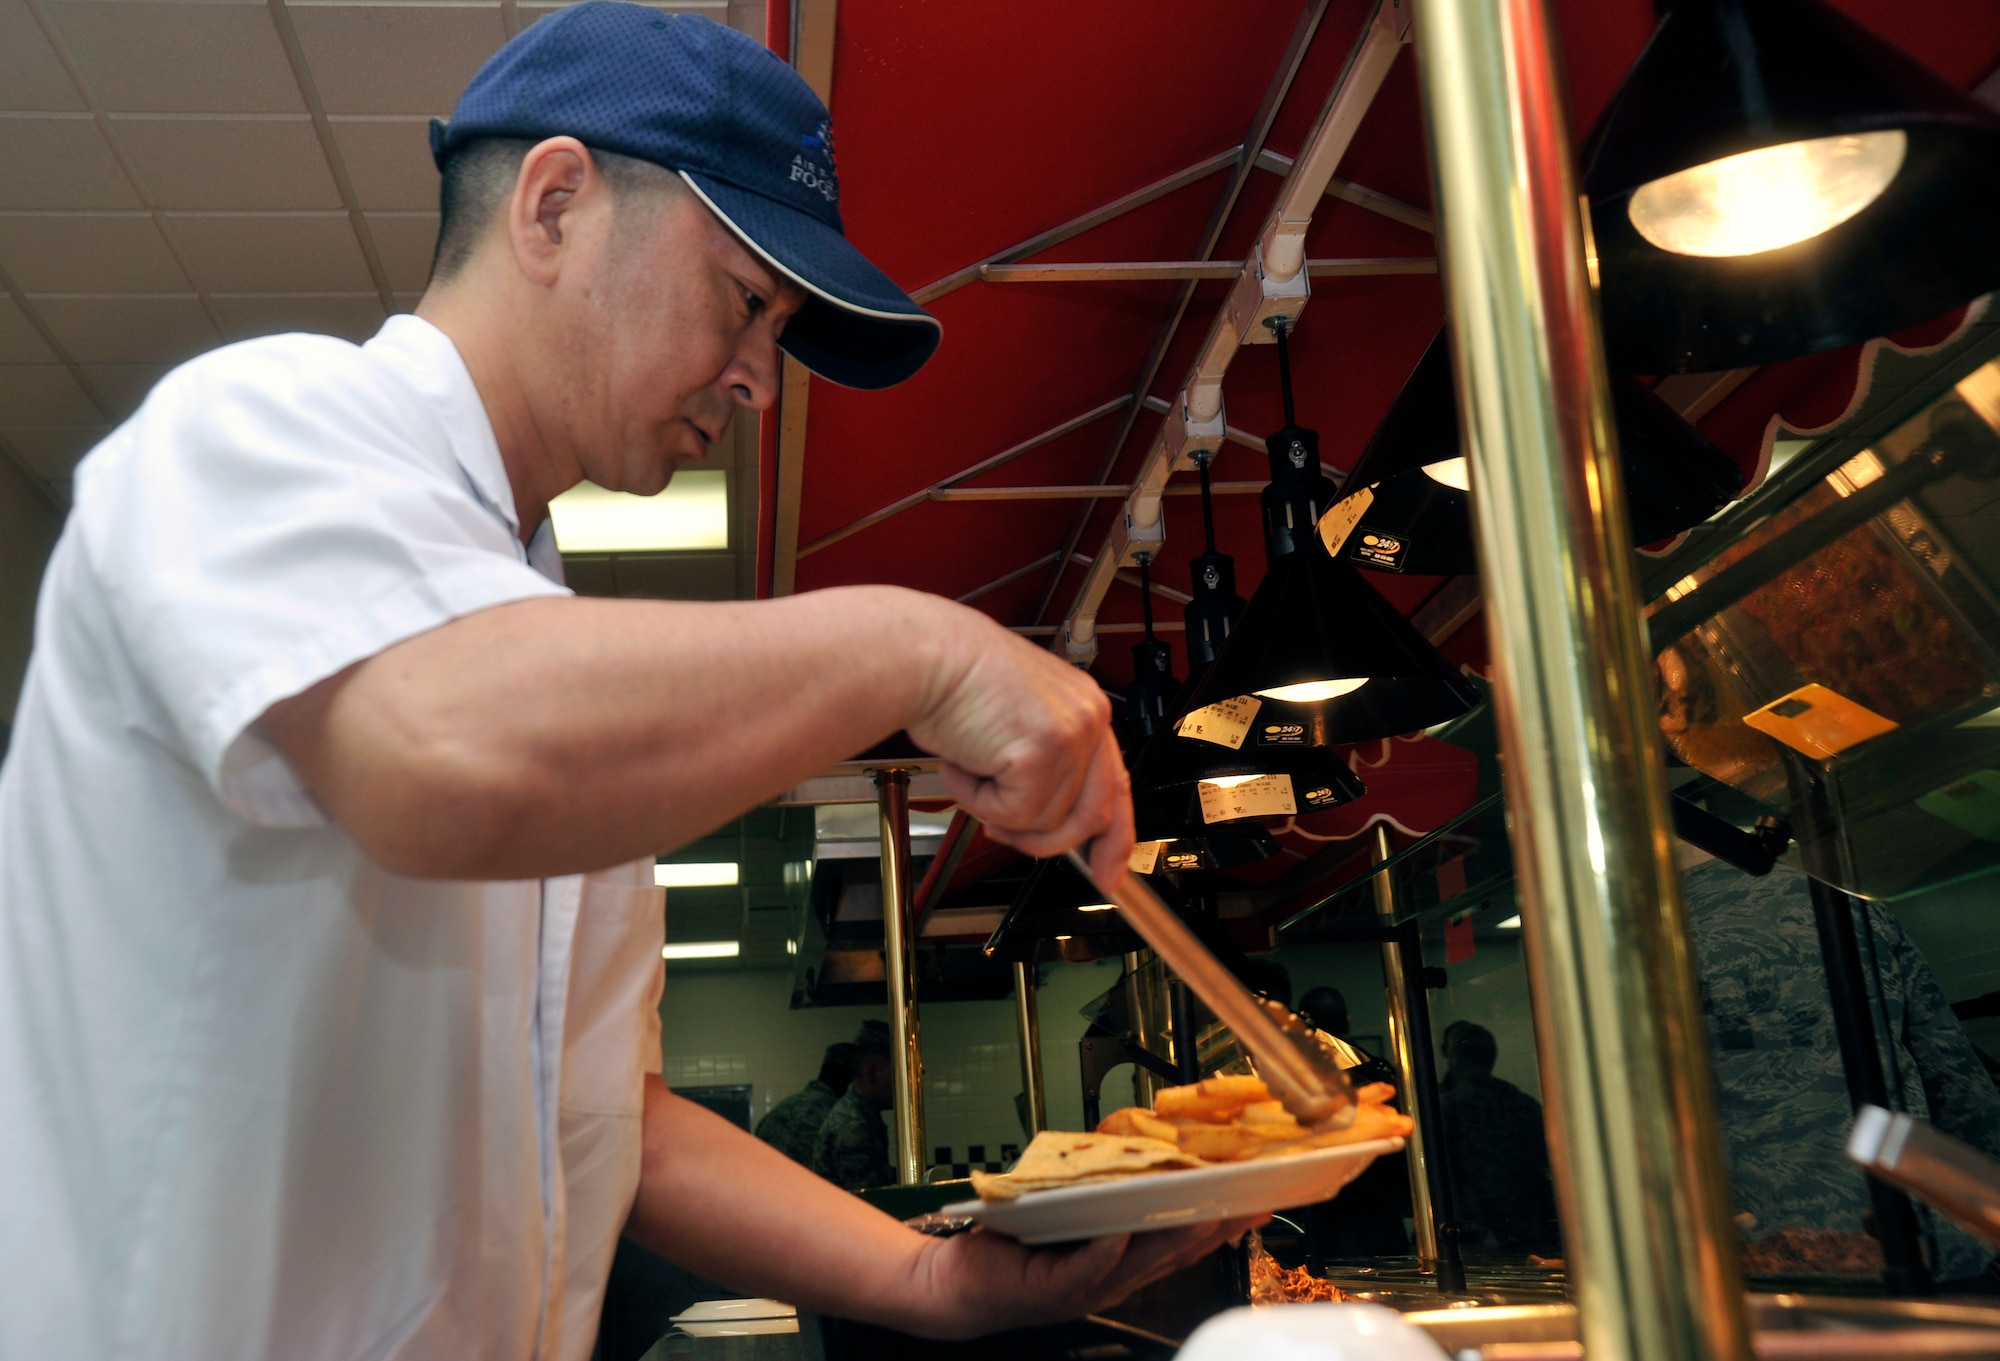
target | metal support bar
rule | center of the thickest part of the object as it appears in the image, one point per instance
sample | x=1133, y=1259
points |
x=1131, y=579
x=1027, y=1021
x=985, y=465
x=1903, y=1269
x=1396, y=986
x=900, y=960
x=1180, y=1012
x=1359, y=195
x=1083, y=491
x=1640, y=1176
x=1427, y=1106
x=1049, y=630
x=1076, y=226
x=1127, y=271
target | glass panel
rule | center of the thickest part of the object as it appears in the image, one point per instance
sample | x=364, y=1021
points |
x=1840, y=663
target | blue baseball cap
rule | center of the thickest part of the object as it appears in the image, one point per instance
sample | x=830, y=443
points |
x=741, y=128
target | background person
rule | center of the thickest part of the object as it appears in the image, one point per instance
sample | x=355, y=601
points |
x=851, y=1149
x=792, y=1126
x=1496, y=1149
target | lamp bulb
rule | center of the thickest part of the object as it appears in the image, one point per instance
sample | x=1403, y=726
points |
x=1308, y=692
x=1452, y=472
x=1772, y=197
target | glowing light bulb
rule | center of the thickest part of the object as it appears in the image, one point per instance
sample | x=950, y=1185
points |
x=1098, y=907
x=1772, y=197
x=1451, y=471
x=1307, y=692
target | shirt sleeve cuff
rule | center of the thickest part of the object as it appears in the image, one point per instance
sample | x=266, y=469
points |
x=252, y=778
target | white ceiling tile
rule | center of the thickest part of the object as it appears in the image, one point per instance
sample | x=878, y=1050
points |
x=43, y=394
x=389, y=162
x=20, y=342
x=225, y=164
x=124, y=330
x=396, y=58
x=242, y=254
x=54, y=451
x=54, y=253
x=352, y=316
x=125, y=385
x=405, y=245
x=57, y=162
x=178, y=58
x=30, y=75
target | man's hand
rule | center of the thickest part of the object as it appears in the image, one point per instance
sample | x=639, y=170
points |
x=984, y=1283
x=1028, y=746
x=731, y=1208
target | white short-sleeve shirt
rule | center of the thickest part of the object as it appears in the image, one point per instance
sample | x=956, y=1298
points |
x=258, y=1096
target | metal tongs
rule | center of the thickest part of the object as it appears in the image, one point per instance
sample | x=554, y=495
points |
x=1315, y=1089
x=1953, y=1177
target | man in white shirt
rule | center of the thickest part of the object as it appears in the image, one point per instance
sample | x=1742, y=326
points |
x=329, y=956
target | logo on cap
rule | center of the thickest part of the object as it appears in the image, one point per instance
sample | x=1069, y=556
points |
x=813, y=163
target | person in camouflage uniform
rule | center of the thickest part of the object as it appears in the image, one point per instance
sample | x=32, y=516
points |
x=1784, y=1102
x=792, y=1127
x=852, y=1149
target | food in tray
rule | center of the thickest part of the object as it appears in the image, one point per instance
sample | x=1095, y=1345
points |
x=1218, y=1120
x=1274, y=1284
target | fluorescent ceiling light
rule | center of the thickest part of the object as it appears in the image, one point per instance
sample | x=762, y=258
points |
x=693, y=512
x=711, y=874
x=703, y=949
x=1098, y=907
x=1512, y=923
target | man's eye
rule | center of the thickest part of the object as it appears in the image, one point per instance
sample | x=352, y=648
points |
x=754, y=303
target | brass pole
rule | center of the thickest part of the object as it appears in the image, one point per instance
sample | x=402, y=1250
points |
x=1139, y=1010
x=1028, y=1020
x=1633, y=1137
x=892, y=802
x=1396, y=985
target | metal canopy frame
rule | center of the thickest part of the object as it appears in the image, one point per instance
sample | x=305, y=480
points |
x=1272, y=283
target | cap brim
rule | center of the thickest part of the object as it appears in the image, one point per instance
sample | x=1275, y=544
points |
x=857, y=327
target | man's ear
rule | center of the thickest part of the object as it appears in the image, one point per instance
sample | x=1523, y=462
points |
x=558, y=178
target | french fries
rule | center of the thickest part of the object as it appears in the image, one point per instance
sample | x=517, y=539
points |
x=1228, y=1119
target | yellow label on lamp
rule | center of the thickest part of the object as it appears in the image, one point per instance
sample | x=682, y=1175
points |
x=1818, y=721
x=1342, y=516
x=1259, y=796
x=1145, y=855
x=1225, y=723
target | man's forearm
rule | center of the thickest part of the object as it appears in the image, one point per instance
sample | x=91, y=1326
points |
x=645, y=723
x=731, y=1208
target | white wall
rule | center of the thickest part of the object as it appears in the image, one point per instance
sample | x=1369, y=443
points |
x=28, y=529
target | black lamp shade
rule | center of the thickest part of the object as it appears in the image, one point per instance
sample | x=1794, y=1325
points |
x=1048, y=913
x=1674, y=478
x=1168, y=775
x=1722, y=77
x=1313, y=619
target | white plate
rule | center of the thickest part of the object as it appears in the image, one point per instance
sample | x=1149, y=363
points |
x=1166, y=1200
x=736, y=1318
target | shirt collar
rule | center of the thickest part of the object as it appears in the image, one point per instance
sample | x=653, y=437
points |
x=426, y=359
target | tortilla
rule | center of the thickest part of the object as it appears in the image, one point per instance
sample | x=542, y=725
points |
x=1067, y=1158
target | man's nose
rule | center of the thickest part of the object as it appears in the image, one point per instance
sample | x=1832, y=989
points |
x=752, y=376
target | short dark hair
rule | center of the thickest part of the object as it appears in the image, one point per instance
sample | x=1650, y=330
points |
x=478, y=177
